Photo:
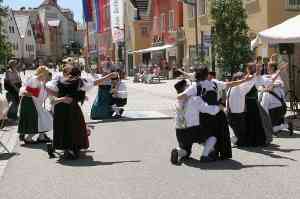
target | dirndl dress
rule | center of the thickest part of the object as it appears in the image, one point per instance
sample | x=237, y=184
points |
x=101, y=108
x=34, y=118
x=69, y=130
x=258, y=123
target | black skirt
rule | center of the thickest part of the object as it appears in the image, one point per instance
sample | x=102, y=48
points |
x=69, y=127
x=28, y=123
x=255, y=132
x=217, y=126
x=276, y=115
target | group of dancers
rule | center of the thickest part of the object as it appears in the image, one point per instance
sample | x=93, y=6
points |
x=255, y=110
x=66, y=92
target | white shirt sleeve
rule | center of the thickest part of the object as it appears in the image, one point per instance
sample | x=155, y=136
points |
x=203, y=107
x=191, y=91
x=88, y=83
x=221, y=85
x=246, y=87
x=52, y=85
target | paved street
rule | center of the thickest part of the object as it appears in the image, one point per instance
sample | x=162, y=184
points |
x=129, y=159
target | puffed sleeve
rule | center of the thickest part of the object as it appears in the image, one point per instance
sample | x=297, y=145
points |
x=88, y=83
x=52, y=85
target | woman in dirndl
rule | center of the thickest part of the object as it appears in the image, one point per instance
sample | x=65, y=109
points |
x=101, y=108
x=70, y=133
x=34, y=118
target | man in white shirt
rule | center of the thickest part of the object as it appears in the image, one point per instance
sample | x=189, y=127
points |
x=188, y=127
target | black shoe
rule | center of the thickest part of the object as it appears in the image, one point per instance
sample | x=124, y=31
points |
x=46, y=139
x=21, y=137
x=174, y=156
x=207, y=159
x=121, y=111
x=29, y=142
x=291, y=128
x=214, y=155
x=50, y=151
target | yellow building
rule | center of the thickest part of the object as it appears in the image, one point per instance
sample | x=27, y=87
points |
x=138, y=28
x=262, y=14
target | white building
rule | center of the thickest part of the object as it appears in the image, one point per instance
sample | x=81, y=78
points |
x=12, y=34
x=27, y=41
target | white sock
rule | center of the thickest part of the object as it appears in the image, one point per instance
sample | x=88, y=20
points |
x=116, y=109
x=181, y=153
x=42, y=136
x=29, y=137
x=209, y=145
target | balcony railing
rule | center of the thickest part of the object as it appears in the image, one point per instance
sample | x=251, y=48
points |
x=293, y=4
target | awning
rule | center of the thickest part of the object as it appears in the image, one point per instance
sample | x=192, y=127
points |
x=156, y=48
x=286, y=32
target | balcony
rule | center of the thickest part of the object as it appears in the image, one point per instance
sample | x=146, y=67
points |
x=293, y=5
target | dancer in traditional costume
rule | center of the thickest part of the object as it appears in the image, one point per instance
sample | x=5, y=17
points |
x=119, y=96
x=102, y=108
x=12, y=84
x=34, y=118
x=273, y=99
x=70, y=132
x=249, y=121
x=189, y=129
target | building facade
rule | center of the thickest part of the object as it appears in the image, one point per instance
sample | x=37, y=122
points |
x=167, y=29
x=12, y=34
x=53, y=27
x=262, y=14
x=27, y=39
x=138, y=26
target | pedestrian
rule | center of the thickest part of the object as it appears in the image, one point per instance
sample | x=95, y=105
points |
x=24, y=68
x=34, y=118
x=189, y=129
x=70, y=133
x=12, y=84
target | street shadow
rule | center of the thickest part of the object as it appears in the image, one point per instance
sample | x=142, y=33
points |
x=125, y=119
x=37, y=146
x=270, y=151
x=7, y=156
x=285, y=134
x=224, y=165
x=88, y=161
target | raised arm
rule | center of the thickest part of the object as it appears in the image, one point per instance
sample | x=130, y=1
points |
x=282, y=68
x=247, y=78
x=106, y=77
x=188, y=75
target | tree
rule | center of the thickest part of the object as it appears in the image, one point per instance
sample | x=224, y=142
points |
x=5, y=47
x=231, y=41
x=73, y=47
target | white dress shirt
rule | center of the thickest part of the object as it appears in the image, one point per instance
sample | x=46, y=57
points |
x=191, y=109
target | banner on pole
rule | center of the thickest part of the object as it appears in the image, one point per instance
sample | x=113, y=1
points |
x=117, y=20
x=99, y=10
x=87, y=10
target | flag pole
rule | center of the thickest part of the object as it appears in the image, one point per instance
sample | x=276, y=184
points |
x=87, y=45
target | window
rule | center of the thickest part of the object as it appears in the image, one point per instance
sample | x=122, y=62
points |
x=13, y=29
x=202, y=7
x=29, y=33
x=171, y=20
x=162, y=22
x=107, y=16
x=293, y=4
x=191, y=11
